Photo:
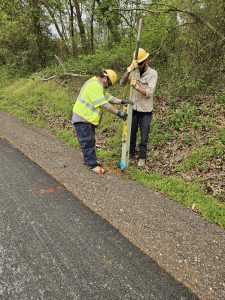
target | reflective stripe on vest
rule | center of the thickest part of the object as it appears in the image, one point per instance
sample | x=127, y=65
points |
x=88, y=105
x=102, y=99
x=96, y=101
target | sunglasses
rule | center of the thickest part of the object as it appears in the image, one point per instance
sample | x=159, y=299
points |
x=109, y=81
x=141, y=63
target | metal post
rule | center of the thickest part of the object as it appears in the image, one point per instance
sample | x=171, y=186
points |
x=128, y=108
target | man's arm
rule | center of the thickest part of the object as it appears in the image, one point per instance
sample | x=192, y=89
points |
x=115, y=100
x=124, y=78
x=147, y=92
x=119, y=113
x=134, y=84
x=152, y=84
x=131, y=68
x=143, y=91
x=110, y=108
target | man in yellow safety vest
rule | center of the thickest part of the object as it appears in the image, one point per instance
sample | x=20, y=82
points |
x=87, y=113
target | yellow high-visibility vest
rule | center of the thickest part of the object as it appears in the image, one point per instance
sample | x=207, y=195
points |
x=91, y=97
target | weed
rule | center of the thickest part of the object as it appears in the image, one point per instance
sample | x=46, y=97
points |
x=221, y=99
x=197, y=159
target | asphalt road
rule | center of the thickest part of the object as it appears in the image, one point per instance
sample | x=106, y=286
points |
x=54, y=247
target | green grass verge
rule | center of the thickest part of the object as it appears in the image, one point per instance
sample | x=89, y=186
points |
x=185, y=193
x=33, y=102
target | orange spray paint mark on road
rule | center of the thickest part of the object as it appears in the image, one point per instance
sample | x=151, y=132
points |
x=42, y=192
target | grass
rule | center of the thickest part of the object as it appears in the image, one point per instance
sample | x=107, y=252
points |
x=40, y=104
x=66, y=136
x=158, y=136
x=221, y=99
x=181, y=118
x=198, y=157
x=185, y=193
x=4, y=75
x=33, y=102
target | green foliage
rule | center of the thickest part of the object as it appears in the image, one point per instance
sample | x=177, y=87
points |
x=112, y=156
x=197, y=159
x=186, y=47
x=24, y=37
x=66, y=136
x=221, y=99
x=222, y=135
x=184, y=117
x=4, y=75
x=115, y=58
x=33, y=102
x=158, y=136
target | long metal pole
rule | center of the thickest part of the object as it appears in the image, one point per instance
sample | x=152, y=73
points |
x=128, y=108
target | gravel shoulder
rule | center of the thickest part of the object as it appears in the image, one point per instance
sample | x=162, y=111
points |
x=191, y=249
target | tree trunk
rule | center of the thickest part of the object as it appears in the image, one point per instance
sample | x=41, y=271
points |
x=37, y=55
x=92, y=26
x=71, y=16
x=81, y=27
x=60, y=32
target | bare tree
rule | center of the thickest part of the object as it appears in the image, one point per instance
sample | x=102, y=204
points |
x=92, y=24
x=81, y=26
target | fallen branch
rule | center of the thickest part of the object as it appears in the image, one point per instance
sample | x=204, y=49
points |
x=49, y=78
x=60, y=76
x=76, y=75
x=61, y=64
x=64, y=74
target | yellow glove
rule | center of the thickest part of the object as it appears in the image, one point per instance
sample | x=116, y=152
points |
x=133, y=82
x=133, y=66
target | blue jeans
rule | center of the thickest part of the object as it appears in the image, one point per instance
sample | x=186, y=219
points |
x=140, y=120
x=85, y=133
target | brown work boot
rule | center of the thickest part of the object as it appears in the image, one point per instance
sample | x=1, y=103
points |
x=141, y=163
x=98, y=170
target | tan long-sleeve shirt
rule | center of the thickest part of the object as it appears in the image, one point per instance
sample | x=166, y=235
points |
x=148, y=81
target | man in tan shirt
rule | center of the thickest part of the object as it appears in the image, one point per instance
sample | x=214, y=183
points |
x=143, y=79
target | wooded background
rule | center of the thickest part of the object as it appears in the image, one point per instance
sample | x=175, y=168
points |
x=185, y=39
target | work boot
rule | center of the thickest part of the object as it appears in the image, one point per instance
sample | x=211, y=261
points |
x=98, y=170
x=141, y=163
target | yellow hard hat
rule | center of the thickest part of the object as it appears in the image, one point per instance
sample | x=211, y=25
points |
x=111, y=75
x=142, y=55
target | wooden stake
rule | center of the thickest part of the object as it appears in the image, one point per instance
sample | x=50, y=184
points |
x=129, y=110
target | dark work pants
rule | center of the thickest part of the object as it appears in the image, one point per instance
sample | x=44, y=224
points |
x=85, y=133
x=140, y=120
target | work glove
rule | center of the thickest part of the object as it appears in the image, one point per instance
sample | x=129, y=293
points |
x=133, y=82
x=133, y=66
x=126, y=102
x=122, y=114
